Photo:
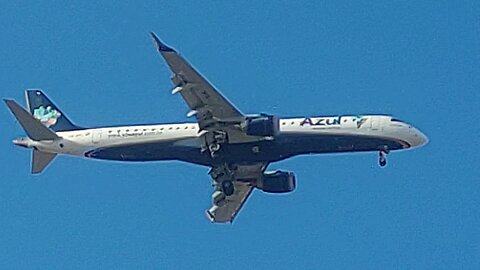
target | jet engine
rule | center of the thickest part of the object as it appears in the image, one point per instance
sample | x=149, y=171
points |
x=277, y=182
x=262, y=125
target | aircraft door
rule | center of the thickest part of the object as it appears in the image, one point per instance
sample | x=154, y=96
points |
x=96, y=136
x=376, y=122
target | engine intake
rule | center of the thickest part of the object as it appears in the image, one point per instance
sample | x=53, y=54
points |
x=262, y=125
x=277, y=182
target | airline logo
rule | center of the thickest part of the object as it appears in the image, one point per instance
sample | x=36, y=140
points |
x=324, y=121
x=46, y=115
x=333, y=121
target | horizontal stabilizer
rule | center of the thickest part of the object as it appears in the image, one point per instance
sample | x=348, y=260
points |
x=34, y=129
x=40, y=160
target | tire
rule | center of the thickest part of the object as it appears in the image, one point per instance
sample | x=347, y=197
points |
x=228, y=188
x=383, y=162
x=214, y=147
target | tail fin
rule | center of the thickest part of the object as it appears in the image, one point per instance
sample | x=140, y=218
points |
x=42, y=108
x=40, y=160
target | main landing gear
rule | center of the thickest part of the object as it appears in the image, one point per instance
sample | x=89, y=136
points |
x=214, y=148
x=214, y=141
x=382, y=157
x=223, y=178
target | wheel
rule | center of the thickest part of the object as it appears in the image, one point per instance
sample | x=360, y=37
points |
x=382, y=162
x=214, y=147
x=228, y=188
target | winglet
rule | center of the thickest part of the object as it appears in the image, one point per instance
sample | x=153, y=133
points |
x=162, y=47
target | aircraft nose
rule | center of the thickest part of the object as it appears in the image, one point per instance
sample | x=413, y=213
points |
x=417, y=138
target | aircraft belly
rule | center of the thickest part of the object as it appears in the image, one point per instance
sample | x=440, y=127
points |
x=150, y=152
x=336, y=143
x=284, y=146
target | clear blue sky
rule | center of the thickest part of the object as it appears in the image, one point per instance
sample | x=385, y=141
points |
x=417, y=60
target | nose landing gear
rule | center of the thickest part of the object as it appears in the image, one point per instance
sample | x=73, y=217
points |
x=382, y=157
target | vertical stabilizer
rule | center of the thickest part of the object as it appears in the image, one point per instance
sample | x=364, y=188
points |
x=42, y=108
x=40, y=160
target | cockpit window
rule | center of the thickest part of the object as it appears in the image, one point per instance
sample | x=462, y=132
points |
x=396, y=120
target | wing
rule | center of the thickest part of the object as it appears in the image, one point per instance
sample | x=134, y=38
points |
x=201, y=97
x=243, y=177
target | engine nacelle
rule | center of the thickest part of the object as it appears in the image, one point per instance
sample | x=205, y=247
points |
x=277, y=182
x=262, y=125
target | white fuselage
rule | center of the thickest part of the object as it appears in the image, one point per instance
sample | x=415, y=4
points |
x=80, y=142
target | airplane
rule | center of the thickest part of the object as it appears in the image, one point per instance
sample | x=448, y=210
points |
x=236, y=147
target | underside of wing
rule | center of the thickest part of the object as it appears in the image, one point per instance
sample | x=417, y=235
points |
x=220, y=123
x=204, y=101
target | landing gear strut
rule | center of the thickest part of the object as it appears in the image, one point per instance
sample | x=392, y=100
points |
x=382, y=157
x=214, y=141
x=214, y=148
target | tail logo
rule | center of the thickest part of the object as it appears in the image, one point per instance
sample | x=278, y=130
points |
x=47, y=115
